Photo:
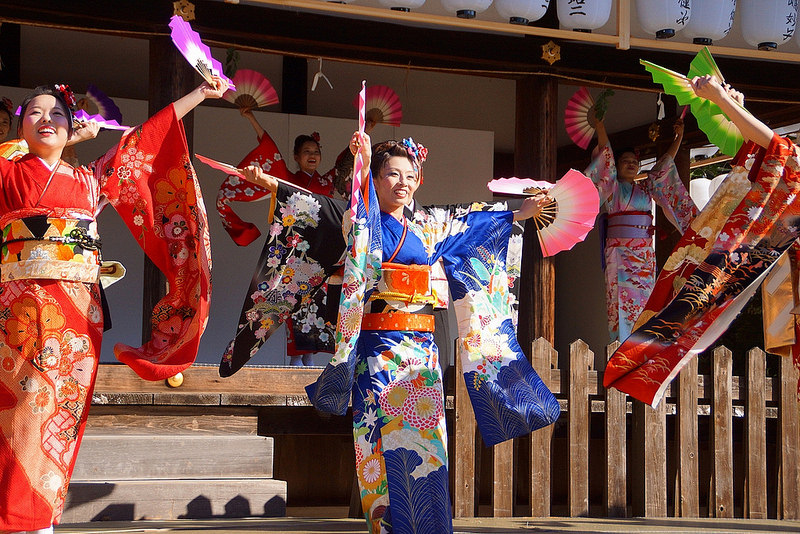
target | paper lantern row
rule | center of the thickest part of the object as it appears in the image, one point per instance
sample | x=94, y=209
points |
x=766, y=24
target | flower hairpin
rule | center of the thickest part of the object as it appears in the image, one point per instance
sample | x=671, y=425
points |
x=418, y=152
x=315, y=136
x=6, y=103
x=67, y=93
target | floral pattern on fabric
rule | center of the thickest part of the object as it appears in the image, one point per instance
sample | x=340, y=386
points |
x=714, y=269
x=51, y=329
x=161, y=203
x=630, y=267
x=288, y=280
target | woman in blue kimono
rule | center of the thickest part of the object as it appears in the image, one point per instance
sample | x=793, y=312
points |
x=386, y=357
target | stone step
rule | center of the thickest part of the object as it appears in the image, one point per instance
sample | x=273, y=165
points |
x=103, y=457
x=129, y=500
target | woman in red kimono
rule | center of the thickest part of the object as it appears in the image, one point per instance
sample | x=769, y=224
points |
x=720, y=260
x=51, y=322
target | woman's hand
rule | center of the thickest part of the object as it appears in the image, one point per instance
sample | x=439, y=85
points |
x=708, y=87
x=215, y=89
x=83, y=131
x=188, y=102
x=360, y=143
x=532, y=206
x=255, y=175
x=677, y=128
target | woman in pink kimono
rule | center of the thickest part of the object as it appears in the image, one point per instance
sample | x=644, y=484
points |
x=630, y=265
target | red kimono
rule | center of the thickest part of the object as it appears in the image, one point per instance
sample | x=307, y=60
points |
x=51, y=319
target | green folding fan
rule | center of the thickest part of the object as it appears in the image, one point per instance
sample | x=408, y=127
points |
x=712, y=121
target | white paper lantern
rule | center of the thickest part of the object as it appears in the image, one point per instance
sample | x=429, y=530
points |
x=522, y=11
x=466, y=9
x=583, y=15
x=402, y=5
x=664, y=17
x=710, y=20
x=768, y=23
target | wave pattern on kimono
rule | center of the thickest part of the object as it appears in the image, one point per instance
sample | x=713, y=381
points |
x=629, y=256
x=395, y=376
x=714, y=269
x=51, y=321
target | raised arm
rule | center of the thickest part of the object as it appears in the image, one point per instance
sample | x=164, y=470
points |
x=602, y=135
x=677, y=128
x=730, y=102
x=247, y=113
x=360, y=142
x=188, y=102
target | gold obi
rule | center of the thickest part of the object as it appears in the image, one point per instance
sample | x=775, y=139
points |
x=51, y=248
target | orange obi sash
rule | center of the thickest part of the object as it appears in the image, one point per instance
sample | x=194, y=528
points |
x=408, y=284
x=418, y=322
x=51, y=248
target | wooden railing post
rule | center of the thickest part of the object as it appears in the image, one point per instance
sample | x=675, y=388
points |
x=755, y=410
x=616, y=448
x=543, y=358
x=464, y=449
x=503, y=479
x=722, y=433
x=687, y=501
x=581, y=360
x=649, y=479
x=789, y=444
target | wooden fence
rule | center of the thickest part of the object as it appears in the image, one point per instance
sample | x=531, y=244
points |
x=718, y=445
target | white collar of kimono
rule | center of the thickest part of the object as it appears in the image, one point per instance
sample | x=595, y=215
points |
x=49, y=167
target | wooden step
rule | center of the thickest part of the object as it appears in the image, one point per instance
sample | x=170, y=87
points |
x=102, y=457
x=129, y=500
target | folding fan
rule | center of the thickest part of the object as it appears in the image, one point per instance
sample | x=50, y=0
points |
x=82, y=116
x=715, y=124
x=383, y=105
x=576, y=115
x=566, y=220
x=106, y=107
x=253, y=90
x=196, y=53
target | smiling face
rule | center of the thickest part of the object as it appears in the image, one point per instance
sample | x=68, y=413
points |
x=397, y=184
x=308, y=157
x=45, y=126
x=627, y=167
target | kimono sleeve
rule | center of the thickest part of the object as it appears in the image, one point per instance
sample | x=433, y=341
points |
x=664, y=185
x=508, y=397
x=305, y=244
x=149, y=180
x=603, y=172
x=234, y=189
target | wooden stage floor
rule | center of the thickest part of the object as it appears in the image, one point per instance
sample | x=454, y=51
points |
x=486, y=525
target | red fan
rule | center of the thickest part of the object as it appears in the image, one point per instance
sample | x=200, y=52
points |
x=576, y=115
x=253, y=90
x=383, y=105
x=565, y=221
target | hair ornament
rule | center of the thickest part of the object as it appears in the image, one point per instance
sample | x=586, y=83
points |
x=315, y=136
x=67, y=93
x=418, y=152
x=6, y=103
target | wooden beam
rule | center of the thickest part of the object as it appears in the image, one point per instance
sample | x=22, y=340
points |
x=282, y=31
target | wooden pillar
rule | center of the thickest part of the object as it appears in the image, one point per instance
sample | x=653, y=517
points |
x=171, y=77
x=535, y=157
x=294, y=85
x=9, y=55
